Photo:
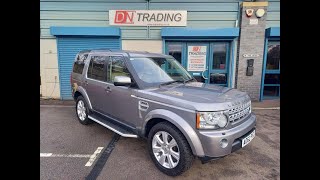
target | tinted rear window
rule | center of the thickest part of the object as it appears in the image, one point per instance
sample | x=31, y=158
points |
x=78, y=64
x=97, y=68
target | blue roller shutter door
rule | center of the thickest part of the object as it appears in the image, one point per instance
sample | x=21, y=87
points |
x=68, y=47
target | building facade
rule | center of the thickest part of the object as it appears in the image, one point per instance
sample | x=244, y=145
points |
x=230, y=43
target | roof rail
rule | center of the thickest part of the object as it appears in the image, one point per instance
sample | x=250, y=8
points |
x=85, y=51
x=102, y=49
x=134, y=51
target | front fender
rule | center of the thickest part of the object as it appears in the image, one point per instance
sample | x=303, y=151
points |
x=85, y=95
x=181, y=124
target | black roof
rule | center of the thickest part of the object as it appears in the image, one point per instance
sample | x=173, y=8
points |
x=129, y=52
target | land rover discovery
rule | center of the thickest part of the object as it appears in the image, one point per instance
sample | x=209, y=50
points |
x=148, y=95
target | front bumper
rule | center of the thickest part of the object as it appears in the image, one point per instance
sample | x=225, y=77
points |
x=210, y=140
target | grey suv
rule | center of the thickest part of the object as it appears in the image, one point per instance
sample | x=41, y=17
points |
x=141, y=94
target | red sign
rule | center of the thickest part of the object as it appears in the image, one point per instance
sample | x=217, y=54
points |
x=124, y=17
x=147, y=18
x=196, y=48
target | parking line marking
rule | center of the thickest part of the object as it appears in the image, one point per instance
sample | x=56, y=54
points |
x=45, y=154
x=267, y=108
x=97, y=168
x=94, y=156
x=65, y=155
x=54, y=106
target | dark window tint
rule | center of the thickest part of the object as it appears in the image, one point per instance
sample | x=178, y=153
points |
x=219, y=56
x=175, y=50
x=78, y=64
x=116, y=67
x=96, y=68
x=273, y=57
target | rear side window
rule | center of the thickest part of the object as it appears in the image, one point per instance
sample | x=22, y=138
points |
x=78, y=64
x=96, y=68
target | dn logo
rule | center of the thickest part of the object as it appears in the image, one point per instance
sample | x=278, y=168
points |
x=124, y=17
x=196, y=48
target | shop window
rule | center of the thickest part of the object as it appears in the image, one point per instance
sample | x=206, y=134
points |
x=218, y=78
x=219, y=55
x=272, y=79
x=273, y=57
x=271, y=91
x=175, y=50
x=272, y=71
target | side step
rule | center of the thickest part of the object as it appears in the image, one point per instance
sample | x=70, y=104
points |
x=122, y=131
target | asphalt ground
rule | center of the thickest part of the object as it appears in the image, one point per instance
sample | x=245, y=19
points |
x=70, y=150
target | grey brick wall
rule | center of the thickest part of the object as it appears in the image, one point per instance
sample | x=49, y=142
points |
x=251, y=41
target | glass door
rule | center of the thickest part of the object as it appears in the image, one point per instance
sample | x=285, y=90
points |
x=219, y=63
x=198, y=61
x=271, y=83
x=208, y=62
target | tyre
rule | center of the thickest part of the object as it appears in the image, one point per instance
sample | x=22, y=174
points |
x=82, y=111
x=169, y=149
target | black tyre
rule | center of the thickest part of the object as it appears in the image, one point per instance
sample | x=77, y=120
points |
x=82, y=111
x=169, y=149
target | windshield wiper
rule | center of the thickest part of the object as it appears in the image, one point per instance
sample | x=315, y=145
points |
x=169, y=82
x=185, y=81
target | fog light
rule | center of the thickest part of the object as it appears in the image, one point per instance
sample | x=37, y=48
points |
x=224, y=143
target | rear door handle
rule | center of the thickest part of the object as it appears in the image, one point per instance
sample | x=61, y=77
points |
x=107, y=89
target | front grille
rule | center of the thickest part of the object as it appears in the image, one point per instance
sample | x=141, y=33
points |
x=239, y=111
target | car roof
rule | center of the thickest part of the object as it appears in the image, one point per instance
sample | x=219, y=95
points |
x=129, y=52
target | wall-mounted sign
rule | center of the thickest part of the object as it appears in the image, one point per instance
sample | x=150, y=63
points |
x=197, y=56
x=147, y=18
x=253, y=21
x=250, y=55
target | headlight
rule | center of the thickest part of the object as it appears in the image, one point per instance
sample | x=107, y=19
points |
x=211, y=120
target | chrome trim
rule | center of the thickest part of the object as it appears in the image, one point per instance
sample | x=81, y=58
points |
x=239, y=111
x=112, y=129
x=143, y=106
x=99, y=81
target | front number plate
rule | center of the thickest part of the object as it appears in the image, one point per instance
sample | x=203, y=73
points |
x=248, y=139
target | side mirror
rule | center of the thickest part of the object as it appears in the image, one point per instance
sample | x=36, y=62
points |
x=122, y=81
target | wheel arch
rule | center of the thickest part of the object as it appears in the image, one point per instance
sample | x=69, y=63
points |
x=160, y=115
x=81, y=91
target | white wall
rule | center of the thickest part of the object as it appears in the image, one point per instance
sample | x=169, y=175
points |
x=154, y=46
x=49, y=69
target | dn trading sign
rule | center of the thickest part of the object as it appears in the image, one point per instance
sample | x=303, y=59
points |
x=197, y=56
x=147, y=18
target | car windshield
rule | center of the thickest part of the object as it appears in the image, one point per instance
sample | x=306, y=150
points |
x=158, y=70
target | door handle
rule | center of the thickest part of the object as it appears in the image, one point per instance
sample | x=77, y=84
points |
x=107, y=89
x=86, y=83
x=203, y=74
